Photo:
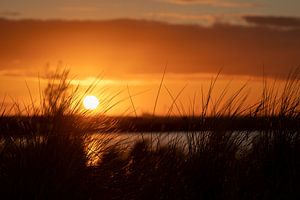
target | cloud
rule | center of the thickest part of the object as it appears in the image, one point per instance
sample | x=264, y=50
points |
x=201, y=19
x=120, y=47
x=11, y=72
x=215, y=3
x=272, y=21
x=9, y=13
x=79, y=8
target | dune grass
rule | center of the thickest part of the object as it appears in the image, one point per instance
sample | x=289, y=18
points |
x=47, y=153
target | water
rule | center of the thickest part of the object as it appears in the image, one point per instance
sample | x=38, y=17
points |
x=99, y=143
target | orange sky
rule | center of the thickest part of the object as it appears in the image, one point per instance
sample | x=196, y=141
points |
x=134, y=52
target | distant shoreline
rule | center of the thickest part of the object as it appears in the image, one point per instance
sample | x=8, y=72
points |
x=155, y=124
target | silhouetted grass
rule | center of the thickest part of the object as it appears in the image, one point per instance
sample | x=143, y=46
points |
x=49, y=154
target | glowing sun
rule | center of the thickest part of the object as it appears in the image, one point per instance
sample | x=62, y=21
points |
x=90, y=102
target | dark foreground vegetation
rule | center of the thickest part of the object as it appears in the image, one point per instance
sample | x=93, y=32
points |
x=51, y=155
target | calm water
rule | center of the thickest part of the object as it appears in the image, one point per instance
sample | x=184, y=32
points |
x=99, y=143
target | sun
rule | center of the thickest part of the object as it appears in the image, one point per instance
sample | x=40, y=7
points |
x=90, y=102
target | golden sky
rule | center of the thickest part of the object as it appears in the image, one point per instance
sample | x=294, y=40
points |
x=131, y=43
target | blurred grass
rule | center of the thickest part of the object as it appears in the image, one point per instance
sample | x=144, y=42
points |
x=50, y=156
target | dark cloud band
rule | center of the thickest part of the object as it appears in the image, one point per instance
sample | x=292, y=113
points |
x=289, y=22
x=136, y=46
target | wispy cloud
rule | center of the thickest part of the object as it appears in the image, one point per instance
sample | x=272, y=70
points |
x=12, y=72
x=79, y=8
x=215, y=3
x=9, y=13
x=201, y=19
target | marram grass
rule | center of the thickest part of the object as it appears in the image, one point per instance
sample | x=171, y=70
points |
x=47, y=154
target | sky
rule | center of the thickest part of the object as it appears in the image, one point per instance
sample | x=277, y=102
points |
x=130, y=43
